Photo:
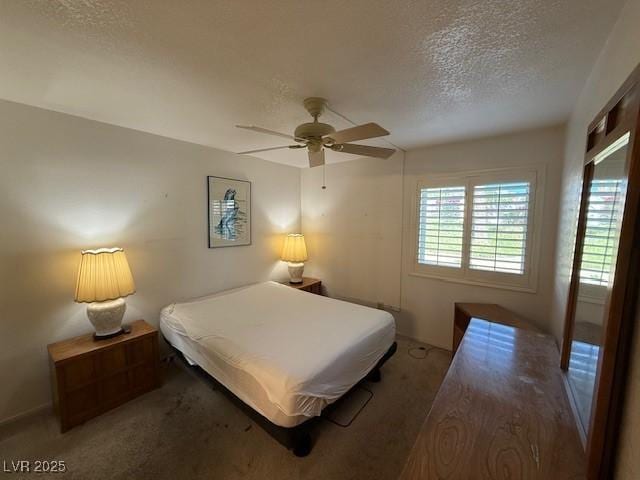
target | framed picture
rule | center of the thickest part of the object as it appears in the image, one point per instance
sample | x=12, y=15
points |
x=229, y=204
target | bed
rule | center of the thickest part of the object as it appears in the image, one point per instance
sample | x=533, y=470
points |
x=285, y=353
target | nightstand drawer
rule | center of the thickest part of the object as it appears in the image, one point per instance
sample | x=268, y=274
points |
x=83, y=401
x=115, y=387
x=141, y=350
x=113, y=360
x=79, y=372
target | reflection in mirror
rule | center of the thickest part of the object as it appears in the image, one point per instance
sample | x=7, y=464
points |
x=600, y=245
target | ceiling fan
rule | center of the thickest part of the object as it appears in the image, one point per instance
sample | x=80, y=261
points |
x=316, y=136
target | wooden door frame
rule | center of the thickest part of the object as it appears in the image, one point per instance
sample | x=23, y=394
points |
x=620, y=115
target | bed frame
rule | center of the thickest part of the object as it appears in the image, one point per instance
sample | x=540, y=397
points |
x=298, y=438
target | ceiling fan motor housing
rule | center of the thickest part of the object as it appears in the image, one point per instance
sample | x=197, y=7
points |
x=313, y=130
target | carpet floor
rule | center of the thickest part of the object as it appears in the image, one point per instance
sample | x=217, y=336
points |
x=186, y=430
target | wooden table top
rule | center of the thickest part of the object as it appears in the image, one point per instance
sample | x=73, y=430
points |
x=495, y=313
x=306, y=281
x=501, y=413
x=85, y=344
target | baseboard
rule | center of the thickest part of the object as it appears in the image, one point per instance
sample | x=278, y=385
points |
x=28, y=413
x=367, y=303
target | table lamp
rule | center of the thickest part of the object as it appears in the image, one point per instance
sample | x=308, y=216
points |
x=104, y=278
x=295, y=253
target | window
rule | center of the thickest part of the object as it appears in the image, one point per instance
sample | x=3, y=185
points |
x=603, y=216
x=441, y=226
x=499, y=227
x=478, y=227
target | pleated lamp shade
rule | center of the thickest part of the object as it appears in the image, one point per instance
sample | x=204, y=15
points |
x=103, y=275
x=294, y=250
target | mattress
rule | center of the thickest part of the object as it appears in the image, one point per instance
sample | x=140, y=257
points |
x=284, y=352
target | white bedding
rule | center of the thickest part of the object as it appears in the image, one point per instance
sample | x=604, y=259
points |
x=285, y=352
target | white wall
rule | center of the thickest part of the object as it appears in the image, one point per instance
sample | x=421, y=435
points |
x=67, y=183
x=357, y=230
x=354, y=228
x=617, y=60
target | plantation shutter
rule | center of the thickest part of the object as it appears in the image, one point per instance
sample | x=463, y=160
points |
x=603, y=216
x=500, y=219
x=441, y=226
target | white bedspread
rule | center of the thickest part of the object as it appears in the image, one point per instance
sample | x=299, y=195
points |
x=304, y=350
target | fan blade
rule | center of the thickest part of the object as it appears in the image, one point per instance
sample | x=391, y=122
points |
x=267, y=131
x=364, y=150
x=316, y=158
x=267, y=149
x=361, y=132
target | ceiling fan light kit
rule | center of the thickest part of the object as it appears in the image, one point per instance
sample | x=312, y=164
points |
x=317, y=136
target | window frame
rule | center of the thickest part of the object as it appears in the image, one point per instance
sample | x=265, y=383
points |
x=526, y=282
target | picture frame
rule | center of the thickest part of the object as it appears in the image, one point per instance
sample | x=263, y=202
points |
x=228, y=212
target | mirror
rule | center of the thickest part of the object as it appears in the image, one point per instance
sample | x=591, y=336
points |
x=603, y=299
x=598, y=246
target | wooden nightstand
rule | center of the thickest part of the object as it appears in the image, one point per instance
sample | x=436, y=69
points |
x=312, y=285
x=91, y=376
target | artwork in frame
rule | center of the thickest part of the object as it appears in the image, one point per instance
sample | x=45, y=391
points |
x=229, y=204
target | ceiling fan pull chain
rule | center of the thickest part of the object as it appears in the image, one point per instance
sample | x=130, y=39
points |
x=324, y=178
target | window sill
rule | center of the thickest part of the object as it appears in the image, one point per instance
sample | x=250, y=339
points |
x=476, y=283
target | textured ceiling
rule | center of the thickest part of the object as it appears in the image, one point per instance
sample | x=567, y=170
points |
x=429, y=71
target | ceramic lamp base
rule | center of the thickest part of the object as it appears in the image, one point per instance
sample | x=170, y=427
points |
x=106, y=317
x=295, y=272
